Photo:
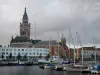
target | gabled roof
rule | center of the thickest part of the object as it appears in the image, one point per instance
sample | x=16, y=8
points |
x=47, y=43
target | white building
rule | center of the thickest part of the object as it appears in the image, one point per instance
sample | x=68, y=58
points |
x=88, y=51
x=32, y=53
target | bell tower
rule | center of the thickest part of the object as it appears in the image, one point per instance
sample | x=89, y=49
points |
x=25, y=26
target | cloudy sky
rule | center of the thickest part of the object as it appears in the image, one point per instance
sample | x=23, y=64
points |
x=51, y=16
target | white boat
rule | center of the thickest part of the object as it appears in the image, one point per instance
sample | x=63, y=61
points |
x=44, y=61
x=86, y=70
x=94, y=71
x=71, y=69
x=59, y=67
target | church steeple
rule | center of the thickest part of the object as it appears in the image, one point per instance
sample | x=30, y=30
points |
x=25, y=17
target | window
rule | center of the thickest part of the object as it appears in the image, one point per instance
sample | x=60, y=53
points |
x=30, y=53
x=3, y=52
x=6, y=53
x=2, y=49
x=22, y=49
x=37, y=53
x=41, y=54
x=33, y=53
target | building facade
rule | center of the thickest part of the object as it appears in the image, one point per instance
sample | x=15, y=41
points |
x=22, y=45
x=89, y=53
x=32, y=53
x=55, y=49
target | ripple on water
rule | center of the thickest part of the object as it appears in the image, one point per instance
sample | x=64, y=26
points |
x=32, y=70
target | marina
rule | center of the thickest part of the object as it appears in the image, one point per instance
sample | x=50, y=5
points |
x=55, y=40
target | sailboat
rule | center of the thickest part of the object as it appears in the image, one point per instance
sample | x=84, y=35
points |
x=76, y=67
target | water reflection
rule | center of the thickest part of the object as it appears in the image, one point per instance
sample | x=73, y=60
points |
x=34, y=70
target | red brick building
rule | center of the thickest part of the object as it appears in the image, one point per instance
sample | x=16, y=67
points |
x=52, y=45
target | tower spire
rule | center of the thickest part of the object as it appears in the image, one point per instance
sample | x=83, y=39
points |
x=25, y=11
x=25, y=17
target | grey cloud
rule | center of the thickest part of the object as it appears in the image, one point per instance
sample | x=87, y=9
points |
x=52, y=16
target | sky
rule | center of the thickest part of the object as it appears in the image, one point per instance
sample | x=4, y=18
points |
x=51, y=17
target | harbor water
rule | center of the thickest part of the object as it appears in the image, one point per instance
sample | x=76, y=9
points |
x=33, y=70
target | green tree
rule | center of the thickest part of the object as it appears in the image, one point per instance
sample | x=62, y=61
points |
x=10, y=57
x=25, y=56
x=47, y=57
x=18, y=57
x=92, y=55
x=2, y=56
x=40, y=56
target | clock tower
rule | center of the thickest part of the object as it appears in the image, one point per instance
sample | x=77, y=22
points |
x=25, y=26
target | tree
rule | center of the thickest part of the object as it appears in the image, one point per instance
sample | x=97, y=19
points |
x=25, y=56
x=2, y=56
x=92, y=55
x=47, y=57
x=40, y=56
x=10, y=56
x=18, y=57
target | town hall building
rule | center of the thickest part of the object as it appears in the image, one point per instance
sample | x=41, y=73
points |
x=24, y=39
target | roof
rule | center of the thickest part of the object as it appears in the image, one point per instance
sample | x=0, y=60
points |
x=25, y=17
x=47, y=43
x=35, y=41
x=85, y=45
x=92, y=45
x=19, y=39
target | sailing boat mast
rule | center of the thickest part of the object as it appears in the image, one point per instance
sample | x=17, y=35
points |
x=80, y=45
x=69, y=45
x=58, y=43
x=77, y=45
x=94, y=52
x=35, y=31
x=35, y=34
x=50, y=47
x=63, y=44
x=73, y=44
